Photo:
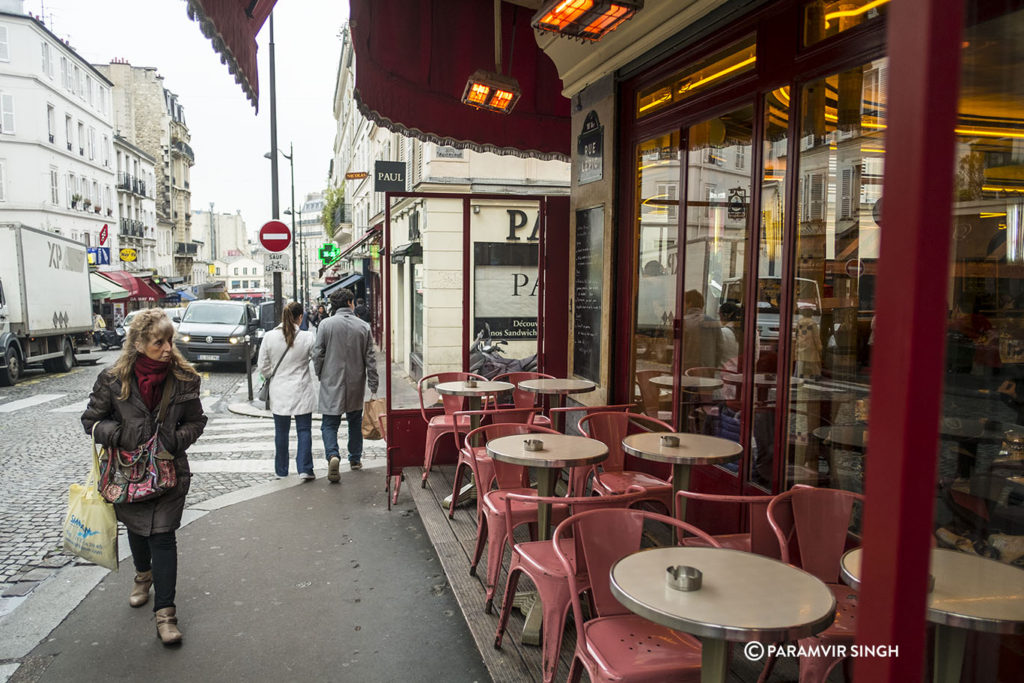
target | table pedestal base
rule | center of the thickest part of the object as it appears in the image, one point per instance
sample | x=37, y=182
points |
x=950, y=642
x=680, y=482
x=528, y=602
x=466, y=494
x=714, y=660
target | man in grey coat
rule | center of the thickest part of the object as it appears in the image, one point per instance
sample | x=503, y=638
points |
x=345, y=362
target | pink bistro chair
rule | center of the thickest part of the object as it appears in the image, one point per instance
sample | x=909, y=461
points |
x=617, y=645
x=759, y=537
x=526, y=399
x=538, y=561
x=811, y=526
x=438, y=425
x=491, y=521
x=650, y=394
x=478, y=454
x=610, y=428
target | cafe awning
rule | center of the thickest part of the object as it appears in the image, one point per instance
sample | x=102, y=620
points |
x=345, y=281
x=232, y=25
x=103, y=289
x=412, y=62
x=136, y=288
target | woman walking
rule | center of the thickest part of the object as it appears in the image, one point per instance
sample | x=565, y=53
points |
x=123, y=408
x=284, y=361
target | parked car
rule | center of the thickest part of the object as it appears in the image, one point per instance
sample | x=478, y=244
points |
x=218, y=331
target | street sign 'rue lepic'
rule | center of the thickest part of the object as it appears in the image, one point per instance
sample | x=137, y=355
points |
x=275, y=236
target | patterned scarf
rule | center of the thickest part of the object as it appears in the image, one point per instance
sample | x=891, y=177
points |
x=150, y=375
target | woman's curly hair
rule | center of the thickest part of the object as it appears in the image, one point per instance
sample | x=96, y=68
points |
x=147, y=326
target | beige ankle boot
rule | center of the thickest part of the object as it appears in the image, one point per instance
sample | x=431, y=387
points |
x=167, y=626
x=140, y=589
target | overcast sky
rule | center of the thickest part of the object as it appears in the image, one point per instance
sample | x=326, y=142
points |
x=229, y=139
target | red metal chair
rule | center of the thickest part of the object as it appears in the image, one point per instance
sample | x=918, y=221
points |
x=439, y=425
x=759, y=537
x=537, y=560
x=478, y=454
x=650, y=394
x=526, y=399
x=615, y=645
x=491, y=521
x=811, y=526
x=612, y=477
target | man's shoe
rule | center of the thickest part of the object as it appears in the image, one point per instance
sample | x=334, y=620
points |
x=140, y=589
x=356, y=465
x=333, y=475
x=308, y=476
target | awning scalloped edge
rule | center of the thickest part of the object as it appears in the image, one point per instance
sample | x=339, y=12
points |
x=394, y=127
x=196, y=14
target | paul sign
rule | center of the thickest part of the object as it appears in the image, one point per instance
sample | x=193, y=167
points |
x=389, y=176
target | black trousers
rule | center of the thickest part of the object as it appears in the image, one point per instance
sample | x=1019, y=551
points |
x=158, y=553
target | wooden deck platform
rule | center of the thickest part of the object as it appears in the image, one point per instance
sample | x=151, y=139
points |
x=515, y=662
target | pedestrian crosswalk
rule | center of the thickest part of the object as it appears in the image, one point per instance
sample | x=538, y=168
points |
x=76, y=406
x=23, y=403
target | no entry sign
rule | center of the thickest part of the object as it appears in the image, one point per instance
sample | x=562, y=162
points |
x=275, y=236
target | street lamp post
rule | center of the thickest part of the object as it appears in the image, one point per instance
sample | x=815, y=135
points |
x=295, y=275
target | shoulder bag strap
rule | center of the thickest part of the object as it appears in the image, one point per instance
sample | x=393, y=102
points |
x=279, y=361
x=165, y=399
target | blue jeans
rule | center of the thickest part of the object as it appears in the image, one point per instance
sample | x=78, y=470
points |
x=329, y=431
x=304, y=452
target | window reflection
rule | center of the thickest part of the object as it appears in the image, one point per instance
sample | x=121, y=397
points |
x=839, y=207
x=981, y=445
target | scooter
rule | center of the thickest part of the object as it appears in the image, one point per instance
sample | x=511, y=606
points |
x=485, y=357
x=110, y=338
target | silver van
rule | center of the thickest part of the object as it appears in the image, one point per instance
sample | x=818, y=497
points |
x=217, y=331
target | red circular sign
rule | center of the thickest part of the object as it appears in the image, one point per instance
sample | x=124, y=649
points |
x=275, y=236
x=854, y=267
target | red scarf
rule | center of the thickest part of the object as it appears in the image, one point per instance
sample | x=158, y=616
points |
x=150, y=375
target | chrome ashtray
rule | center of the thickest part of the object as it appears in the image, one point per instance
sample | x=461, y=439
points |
x=533, y=445
x=683, y=578
x=471, y=383
x=670, y=441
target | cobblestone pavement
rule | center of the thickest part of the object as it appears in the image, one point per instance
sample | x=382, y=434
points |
x=43, y=450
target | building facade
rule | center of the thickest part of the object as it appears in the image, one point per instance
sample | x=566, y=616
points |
x=150, y=116
x=56, y=137
x=241, y=277
x=149, y=250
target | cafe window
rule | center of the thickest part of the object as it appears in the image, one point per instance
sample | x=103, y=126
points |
x=824, y=19
x=737, y=59
x=981, y=432
x=831, y=302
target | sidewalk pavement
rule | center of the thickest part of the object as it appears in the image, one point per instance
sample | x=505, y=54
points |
x=285, y=581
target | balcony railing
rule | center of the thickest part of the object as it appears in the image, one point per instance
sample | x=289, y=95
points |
x=185, y=248
x=132, y=228
x=130, y=183
x=183, y=149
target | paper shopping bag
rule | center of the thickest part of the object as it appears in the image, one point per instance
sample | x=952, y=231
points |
x=372, y=410
x=90, y=528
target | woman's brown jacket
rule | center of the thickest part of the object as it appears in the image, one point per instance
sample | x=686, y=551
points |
x=129, y=423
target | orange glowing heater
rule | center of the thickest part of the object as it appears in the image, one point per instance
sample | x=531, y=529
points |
x=491, y=91
x=584, y=19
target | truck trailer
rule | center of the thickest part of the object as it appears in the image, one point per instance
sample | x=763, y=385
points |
x=44, y=300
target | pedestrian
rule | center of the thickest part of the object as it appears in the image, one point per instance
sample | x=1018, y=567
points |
x=345, y=363
x=362, y=311
x=123, y=408
x=284, y=358
x=320, y=315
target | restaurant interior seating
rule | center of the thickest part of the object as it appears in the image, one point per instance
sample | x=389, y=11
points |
x=481, y=465
x=651, y=402
x=617, y=645
x=439, y=425
x=612, y=477
x=538, y=561
x=812, y=528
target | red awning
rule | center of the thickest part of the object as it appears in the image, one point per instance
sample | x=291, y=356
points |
x=138, y=289
x=412, y=61
x=232, y=25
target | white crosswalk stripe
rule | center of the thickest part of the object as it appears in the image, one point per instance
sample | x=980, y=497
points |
x=29, y=402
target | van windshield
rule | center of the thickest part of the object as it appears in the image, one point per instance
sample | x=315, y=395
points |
x=220, y=315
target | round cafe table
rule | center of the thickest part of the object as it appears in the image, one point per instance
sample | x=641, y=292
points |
x=689, y=383
x=560, y=388
x=693, y=449
x=557, y=451
x=744, y=597
x=971, y=593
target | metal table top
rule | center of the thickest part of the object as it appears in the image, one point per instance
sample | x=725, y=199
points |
x=460, y=389
x=693, y=449
x=559, y=450
x=744, y=596
x=557, y=386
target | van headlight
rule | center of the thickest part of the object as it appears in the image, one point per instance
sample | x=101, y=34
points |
x=234, y=340
x=186, y=338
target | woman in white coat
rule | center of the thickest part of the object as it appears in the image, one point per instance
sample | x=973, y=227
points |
x=291, y=389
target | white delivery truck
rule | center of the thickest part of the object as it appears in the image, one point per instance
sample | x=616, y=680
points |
x=44, y=300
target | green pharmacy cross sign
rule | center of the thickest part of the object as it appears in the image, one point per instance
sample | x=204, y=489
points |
x=329, y=252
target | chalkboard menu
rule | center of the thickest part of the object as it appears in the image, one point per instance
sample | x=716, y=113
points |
x=587, y=293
